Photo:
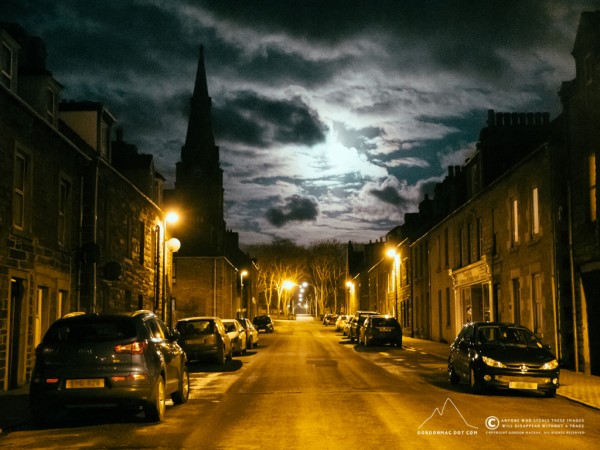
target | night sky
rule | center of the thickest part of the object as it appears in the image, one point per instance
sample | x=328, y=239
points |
x=333, y=117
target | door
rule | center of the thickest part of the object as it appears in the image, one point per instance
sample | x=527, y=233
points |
x=16, y=340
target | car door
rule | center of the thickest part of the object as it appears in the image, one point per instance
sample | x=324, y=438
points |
x=170, y=351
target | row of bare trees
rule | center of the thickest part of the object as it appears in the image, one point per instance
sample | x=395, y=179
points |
x=322, y=265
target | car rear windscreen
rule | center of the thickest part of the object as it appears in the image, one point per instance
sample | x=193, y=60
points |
x=92, y=330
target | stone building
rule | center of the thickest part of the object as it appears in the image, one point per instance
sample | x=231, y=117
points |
x=580, y=99
x=76, y=234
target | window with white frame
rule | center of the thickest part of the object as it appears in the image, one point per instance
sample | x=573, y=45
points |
x=21, y=187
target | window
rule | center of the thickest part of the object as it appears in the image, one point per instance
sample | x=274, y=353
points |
x=592, y=186
x=6, y=66
x=64, y=194
x=535, y=212
x=21, y=187
x=514, y=221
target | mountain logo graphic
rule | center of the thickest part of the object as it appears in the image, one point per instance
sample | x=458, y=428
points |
x=449, y=414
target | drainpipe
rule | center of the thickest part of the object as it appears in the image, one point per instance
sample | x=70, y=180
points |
x=572, y=268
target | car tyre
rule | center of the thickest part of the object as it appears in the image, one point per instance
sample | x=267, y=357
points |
x=474, y=382
x=550, y=393
x=155, y=408
x=182, y=394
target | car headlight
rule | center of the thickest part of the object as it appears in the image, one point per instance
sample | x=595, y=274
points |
x=493, y=363
x=550, y=365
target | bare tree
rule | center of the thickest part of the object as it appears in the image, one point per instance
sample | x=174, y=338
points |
x=327, y=266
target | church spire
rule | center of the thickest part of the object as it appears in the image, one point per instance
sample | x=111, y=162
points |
x=200, y=142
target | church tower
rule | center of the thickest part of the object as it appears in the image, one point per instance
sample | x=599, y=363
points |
x=199, y=178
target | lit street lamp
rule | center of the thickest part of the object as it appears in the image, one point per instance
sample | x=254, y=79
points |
x=243, y=273
x=172, y=245
x=396, y=256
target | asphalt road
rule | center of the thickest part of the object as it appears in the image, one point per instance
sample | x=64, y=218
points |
x=305, y=387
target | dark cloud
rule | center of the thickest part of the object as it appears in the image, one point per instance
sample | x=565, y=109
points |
x=388, y=195
x=296, y=209
x=248, y=117
x=327, y=99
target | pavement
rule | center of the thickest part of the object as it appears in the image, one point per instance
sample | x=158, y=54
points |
x=576, y=386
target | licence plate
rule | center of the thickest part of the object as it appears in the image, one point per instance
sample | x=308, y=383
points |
x=385, y=330
x=522, y=385
x=85, y=383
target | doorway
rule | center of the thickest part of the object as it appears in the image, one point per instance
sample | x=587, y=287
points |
x=16, y=343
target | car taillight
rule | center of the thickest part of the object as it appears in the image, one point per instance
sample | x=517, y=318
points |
x=134, y=348
x=130, y=377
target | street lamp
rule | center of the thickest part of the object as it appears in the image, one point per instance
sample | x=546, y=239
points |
x=173, y=245
x=392, y=253
x=243, y=273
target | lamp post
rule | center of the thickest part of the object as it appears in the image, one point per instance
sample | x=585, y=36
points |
x=173, y=245
x=243, y=273
x=396, y=258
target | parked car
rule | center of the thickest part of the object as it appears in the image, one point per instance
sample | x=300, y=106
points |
x=131, y=361
x=504, y=356
x=381, y=329
x=357, y=322
x=329, y=319
x=237, y=336
x=340, y=322
x=251, y=332
x=263, y=323
x=203, y=337
x=347, y=325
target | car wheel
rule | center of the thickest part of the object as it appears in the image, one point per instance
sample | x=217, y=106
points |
x=155, y=408
x=474, y=383
x=453, y=378
x=182, y=394
x=550, y=393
